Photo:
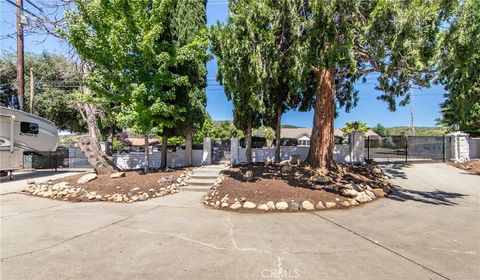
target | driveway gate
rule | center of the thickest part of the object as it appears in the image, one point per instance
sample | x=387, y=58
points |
x=408, y=148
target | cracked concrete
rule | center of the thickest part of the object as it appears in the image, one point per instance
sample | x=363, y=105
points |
x=430, y=229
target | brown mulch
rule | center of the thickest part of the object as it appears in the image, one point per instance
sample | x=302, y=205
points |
x=270, y=184
x=106, y=186
x=472, y=166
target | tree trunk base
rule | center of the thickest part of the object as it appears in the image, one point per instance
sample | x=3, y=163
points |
x=100, y=164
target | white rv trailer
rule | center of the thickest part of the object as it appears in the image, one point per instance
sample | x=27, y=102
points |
x=20, y=132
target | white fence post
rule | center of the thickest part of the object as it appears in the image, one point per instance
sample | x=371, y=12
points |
x=207, y=151
x=234, y=144
x=460, y=146
x=357, y=146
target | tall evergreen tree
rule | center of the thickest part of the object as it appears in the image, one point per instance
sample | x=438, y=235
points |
x=241, y=46
x=347, y=39
x=189, y=29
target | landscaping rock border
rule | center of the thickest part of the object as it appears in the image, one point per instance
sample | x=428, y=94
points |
x=66, y=192
x=357, y=193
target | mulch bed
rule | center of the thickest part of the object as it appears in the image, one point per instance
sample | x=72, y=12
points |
x=472, y=166
x=299, y=184
x=134, y=186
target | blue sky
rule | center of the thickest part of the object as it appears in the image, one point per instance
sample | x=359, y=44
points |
x=369, y=109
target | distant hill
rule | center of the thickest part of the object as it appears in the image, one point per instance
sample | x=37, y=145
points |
x=419, y=131
x=290, y=126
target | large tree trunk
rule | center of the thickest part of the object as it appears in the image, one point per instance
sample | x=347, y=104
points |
x=248, y=142
x=278, y=127
x=322, y=140
x=91, y=146
x=147, y=153
x=188, y=148
x=164, y=152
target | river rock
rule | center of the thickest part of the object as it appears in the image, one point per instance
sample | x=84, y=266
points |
x=87, y=178
x=268, y=162
x=282, y=205
x=370, y=194
x=117, y=175
x=320, y=205
x=236, y=205
x=249, y=205
x=348, y=192
x=378, y=192
x=293, y=206
x=271, y=205
x=319, y=179
x=284, y=163
x=263, y=207
x=362, y=197
x=330, y=204
x=307, y=205
x=60, y=186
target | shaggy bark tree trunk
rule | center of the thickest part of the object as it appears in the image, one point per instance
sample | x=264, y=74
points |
x=147, y=153
x=91, y=146
x=164, y=152
x=248, y=143
x=322, y=141
x=188, y=148
x=278, y=127
x=101, y=163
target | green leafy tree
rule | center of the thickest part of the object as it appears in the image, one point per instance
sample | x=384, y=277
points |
x=459, y=69
x=130, y=46
x=350, y=127
x=189, y=29
x=381, y=130
x=241, y=47
x=55, y=79
x=343, y=41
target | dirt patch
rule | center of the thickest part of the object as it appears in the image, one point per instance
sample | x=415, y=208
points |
x=134, y=186
x=295, y=185
x=472, y=166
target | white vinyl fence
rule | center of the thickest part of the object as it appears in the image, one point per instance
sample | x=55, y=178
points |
x=174, y=159
x=341, y=152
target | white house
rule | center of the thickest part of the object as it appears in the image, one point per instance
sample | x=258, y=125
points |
x=303, y=135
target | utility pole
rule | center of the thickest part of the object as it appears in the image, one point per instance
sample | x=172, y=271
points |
x=32, y=90
x=20, y=56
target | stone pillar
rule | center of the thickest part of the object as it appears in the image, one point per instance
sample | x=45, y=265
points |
x=207, y=151
x=460, y=146
x=234, y=144
x=357, y=146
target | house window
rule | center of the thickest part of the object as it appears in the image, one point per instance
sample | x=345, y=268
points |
x=29, y=128
x=304, y=142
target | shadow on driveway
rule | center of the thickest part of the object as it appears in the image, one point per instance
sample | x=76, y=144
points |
x=436, y=197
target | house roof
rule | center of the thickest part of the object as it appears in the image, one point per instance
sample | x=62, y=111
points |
x=140, y=142
x=299, y=132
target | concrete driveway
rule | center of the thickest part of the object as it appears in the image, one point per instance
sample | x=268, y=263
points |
x=430, y=229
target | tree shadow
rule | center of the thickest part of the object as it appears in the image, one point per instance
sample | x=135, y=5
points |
x=436, y=197
x=394, y=170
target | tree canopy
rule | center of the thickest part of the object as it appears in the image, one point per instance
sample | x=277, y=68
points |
x=459, y=69
x=55, y=79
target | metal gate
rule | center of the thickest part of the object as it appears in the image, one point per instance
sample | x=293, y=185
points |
x=408, y=148
x=221, y=151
